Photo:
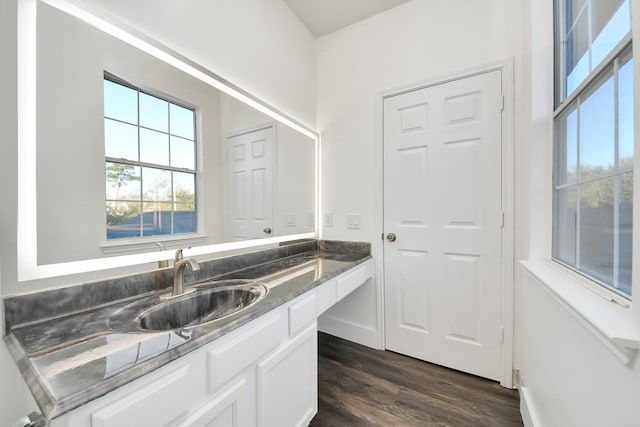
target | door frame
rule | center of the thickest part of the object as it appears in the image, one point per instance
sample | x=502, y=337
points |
x=508, y=160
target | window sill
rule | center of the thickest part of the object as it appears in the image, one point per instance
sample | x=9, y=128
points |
x=608, y=321
x=122, y=247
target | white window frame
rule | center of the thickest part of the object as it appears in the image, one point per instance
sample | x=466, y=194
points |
x=559, y=78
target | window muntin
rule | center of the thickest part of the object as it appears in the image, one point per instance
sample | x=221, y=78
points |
x=593, y=177
x=586, y=32
x=150, y=151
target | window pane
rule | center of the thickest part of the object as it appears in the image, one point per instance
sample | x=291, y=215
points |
x=120, y=102
x=577, y=53
x=597, y=229
x=154, y=113
x=156, y=185
x=625, y=114
x=184, y=218
x=182, y=121
x=567, y=147
x=597, y=132
x=586, y=36
x=611, y=22
x=154, y=147
x=123, y=220
x=120, y=140
x=572, y=8
x=157, y=218
x=625, y=230
x=183, y=153
x=565, y=225
x=123, y=182
x=184, y=187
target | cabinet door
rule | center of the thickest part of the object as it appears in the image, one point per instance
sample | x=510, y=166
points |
x=231, y=407
x=287, y=389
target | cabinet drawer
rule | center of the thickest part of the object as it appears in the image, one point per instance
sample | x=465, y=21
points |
x=352, y=280
x=302, y=313
x=326, y=296
x=231, y=358
x=156, y=404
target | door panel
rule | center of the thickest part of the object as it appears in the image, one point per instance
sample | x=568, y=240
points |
x=250, y=166
x=443, y=201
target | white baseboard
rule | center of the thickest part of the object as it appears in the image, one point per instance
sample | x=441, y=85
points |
x=349, y=331
x=527, y=409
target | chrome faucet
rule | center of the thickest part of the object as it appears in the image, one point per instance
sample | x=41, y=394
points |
x=164, y=263
x=179, y=263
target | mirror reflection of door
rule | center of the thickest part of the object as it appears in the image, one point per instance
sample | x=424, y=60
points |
x=250, y=160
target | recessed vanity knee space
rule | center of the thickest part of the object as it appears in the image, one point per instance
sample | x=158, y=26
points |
x=91, y=366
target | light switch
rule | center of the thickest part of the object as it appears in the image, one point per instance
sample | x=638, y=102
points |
x=291, y=220
x=354, y=221
x=328, y=219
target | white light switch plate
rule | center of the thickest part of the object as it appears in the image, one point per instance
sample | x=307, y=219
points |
x=328, y=219
x=354, y=221
x=291, y=220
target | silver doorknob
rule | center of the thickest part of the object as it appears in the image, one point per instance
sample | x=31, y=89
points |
x=267, y=230
x=391, y=237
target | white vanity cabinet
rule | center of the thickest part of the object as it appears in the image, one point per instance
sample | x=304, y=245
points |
x=261, y=374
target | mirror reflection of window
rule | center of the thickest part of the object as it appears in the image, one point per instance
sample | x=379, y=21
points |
x=150, y=152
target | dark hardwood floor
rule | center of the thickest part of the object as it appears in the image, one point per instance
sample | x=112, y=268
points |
x=359, y=386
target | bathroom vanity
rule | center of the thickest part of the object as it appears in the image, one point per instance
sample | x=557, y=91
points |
x=90, y=361
x=240, y=350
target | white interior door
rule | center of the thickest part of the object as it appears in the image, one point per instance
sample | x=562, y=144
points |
x=443, y=205
x=250, y=184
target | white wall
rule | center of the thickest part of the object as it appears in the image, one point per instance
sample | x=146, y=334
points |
x=417, y=41
x=14, y=401
x=294, y=196
x=14, y=398
x=258, y=45
x=571, y=378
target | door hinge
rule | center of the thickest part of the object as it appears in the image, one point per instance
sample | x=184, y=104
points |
x=501, y=335
x=501, y=219
x=502, y=103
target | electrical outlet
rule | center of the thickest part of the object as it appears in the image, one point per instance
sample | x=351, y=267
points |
x=311, y=219
x=354, y=221
x=328, y=219
x=291, y=220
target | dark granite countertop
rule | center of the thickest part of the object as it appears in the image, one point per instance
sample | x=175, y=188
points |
x=68, y=359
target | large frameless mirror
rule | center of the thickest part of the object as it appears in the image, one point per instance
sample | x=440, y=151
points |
x=127, y=149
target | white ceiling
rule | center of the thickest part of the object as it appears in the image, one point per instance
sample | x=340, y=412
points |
x=326, y=16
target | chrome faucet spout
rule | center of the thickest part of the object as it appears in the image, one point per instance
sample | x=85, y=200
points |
x=178, y=271
x=178, y=256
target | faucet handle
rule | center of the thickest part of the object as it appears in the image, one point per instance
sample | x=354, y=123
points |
x=195, y=266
